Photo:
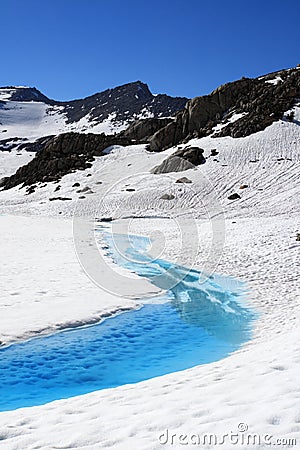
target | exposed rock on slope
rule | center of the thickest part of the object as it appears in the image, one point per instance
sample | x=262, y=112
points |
x=36, y=146
x=28, y=94
x=248, y=105
x=235, y=109
x=181, y=160
x=62, y=155
x=127, y=102
x=143, y=129
x=66, y=152
x=183, y=180
x=23, y=144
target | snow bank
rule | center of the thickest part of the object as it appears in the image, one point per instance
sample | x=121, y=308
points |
x=256, y=386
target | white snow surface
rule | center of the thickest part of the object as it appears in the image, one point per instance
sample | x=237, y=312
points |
x=275, y=80
x=11, y=161
x=44, y=289
x=232, y=119
x=32, y=120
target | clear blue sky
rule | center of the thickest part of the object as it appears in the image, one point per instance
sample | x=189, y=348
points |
x=73, y=48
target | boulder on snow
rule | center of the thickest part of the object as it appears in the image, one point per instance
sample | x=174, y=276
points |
x=234, y=196
x=105, y=219
x=30, y=189
x=183, y=180
x=181, y=160
x=59, y=198
x=143, y=129
x=85, y=189
x=167, y=197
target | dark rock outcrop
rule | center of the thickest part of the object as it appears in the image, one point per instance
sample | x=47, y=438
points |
x=59, y=198
x=10, y=143
x=36, y=146
x=125, y=102
x=105, y=219
x=61, y=155
x=167, y=197
x=260, y=101
x=234, y=196
x=143, y=129
x=16, y=143
x=30, y=95
x=183, y=180
x=67, y=152
x=183, y=159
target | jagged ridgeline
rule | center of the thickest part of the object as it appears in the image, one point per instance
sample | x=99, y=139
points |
x=256, y=103
x=114, y=109
x=239, y=109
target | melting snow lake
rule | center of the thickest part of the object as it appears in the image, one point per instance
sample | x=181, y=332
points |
x=192, y=324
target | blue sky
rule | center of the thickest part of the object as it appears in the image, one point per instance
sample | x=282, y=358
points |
x=73, y=48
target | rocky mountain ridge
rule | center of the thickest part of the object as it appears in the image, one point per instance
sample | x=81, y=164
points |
x=105, y=112
x=236, y=109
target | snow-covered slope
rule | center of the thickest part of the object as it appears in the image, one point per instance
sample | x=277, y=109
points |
x=44, y=288
x=267, y=162
x=11, y=161
x=30, y=120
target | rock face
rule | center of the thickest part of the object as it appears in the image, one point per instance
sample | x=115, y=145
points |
x=61, y=155
x=29, y=94
x=181, y=160
x=131, y=100
x=36, y=146
x=259, y=102
x=9, y=144
x=143, y=129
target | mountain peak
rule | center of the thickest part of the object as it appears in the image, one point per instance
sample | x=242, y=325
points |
x=129, y=101
x=23, y=94
x=109, y=111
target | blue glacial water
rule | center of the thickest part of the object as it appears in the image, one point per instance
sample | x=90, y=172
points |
x=191, y=325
